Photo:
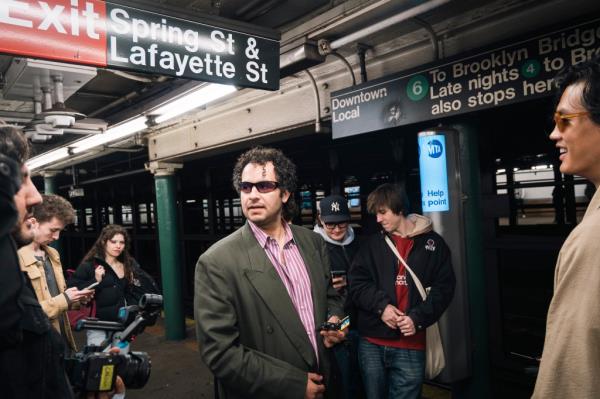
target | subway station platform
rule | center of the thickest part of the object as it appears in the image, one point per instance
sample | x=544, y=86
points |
x=179, y=373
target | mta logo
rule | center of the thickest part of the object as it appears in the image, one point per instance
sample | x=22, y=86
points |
x=435, y=149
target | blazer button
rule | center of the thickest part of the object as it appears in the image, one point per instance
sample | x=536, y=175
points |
x=269, y=330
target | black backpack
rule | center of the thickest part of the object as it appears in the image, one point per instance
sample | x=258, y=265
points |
x=142, y=283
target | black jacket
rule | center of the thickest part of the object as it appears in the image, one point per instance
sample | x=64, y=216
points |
x=340, y=258
x=11, y=281
x=373, y=275
x=109, y=294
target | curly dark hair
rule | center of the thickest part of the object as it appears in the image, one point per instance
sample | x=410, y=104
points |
x=587, y=73
x=98, y=249
x=285, y=170
x=54, y=206
x=13, y=144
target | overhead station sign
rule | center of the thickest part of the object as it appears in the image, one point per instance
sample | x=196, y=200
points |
x=505, y=75
x=98, y=33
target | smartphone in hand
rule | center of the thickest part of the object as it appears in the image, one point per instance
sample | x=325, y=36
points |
x=91, y=286
x=338, y=273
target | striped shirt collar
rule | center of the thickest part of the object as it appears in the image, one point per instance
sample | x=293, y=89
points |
x=262, y=237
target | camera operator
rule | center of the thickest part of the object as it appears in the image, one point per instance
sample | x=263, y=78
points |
x=30, y=350
x=31, y=364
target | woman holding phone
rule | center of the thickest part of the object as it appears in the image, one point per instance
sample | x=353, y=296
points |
x=333, y=224
x=109, y=264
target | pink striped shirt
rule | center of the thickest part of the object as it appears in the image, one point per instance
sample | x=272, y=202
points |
x=293, y=273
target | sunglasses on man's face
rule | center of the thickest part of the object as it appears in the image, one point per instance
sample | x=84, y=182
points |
x=262, y=186
x=561, y=119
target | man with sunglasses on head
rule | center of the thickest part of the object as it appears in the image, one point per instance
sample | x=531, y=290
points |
x=262, y=293
x=569, y=365
x=333, y=224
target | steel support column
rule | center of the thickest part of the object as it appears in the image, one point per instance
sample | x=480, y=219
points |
x=50, y=188
x=49, y=182
x=478, y=386
x=168, y=237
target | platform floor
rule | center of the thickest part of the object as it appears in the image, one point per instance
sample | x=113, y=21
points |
x=178, y=372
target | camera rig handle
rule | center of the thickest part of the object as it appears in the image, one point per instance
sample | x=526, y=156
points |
x=95, y=324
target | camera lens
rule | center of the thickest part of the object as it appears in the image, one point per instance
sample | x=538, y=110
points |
x=151, y=300
x=135, y=372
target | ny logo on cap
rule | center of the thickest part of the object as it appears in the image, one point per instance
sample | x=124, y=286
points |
x=335, y=207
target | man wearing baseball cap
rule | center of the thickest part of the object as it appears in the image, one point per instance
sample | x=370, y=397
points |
x=333, y=224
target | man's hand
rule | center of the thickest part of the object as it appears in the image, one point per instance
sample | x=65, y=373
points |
x=75, y=295
x=332, y=337
x=391, y=316
x=407, y=326
x=339, y=282
x=314, y=387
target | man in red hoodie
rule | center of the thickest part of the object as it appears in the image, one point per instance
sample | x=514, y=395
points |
x=391, y=315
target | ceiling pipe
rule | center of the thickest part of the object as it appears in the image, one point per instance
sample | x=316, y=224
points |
x=386, y=23
x=348, y=66
x=125, y=98
x=317, y=100
x=47, y=98
x=130, y=76
x=432, y=36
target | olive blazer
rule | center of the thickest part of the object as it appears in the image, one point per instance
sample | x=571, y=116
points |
x=249, y=332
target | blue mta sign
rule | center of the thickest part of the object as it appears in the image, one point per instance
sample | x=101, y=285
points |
x=435, y=149
x=434, y=173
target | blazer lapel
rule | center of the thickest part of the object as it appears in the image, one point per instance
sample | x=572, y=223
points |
x=268, y=285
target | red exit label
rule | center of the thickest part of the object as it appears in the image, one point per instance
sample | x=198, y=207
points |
x=62, y=30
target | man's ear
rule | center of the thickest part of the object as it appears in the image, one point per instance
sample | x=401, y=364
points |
x=285, y=196
x=34, y=222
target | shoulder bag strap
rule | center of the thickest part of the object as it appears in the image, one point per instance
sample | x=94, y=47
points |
x=412, y=274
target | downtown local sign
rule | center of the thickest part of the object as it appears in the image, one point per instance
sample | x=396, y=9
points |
x=521, y=70
x=102, y=34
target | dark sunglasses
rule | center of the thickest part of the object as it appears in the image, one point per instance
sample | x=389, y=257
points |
x=561, y=119
x=331, y=226
x=262, y=186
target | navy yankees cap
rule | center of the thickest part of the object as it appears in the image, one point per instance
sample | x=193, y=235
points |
x=334, y=209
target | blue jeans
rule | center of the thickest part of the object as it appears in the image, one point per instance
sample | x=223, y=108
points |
x=391, y=373
x=346, y=356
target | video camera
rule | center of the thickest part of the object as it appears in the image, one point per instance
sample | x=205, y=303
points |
x=95, y=369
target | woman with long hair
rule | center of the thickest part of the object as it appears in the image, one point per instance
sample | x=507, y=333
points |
x=109, y=264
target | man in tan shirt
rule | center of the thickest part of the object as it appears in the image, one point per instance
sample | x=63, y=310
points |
x=42, y=265
x=570, y=365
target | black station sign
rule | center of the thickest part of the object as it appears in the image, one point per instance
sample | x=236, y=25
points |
x=509, y=74
x=98, y=33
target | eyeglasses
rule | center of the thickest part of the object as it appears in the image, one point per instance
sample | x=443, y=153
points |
x=262, y=186
x=331, y=226
x=560, y=119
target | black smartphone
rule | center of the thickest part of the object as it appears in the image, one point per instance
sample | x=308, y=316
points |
x=338, y=273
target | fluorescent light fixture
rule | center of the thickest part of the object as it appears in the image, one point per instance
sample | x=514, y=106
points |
x=191, y=100
x=47, y=158
x=116, y=132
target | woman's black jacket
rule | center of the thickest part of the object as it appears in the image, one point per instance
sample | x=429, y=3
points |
x=373, y=275
x=109, y=294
